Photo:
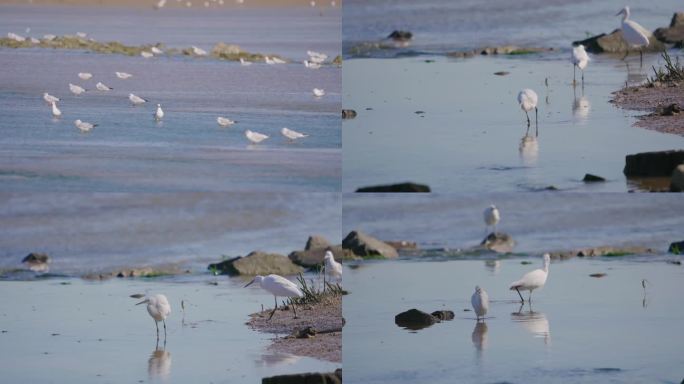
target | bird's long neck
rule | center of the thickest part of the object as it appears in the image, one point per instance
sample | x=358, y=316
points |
x=546, y=266
x=625, y=15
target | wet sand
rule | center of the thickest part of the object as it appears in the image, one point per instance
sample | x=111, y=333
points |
x=652, y=98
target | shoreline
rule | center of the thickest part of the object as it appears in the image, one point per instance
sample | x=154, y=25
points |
x=169, y=4
x=654, y=98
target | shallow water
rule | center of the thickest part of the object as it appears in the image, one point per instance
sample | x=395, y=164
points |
x=128, y=151
x=578, y=330
x=472, y=136
x=83, y=332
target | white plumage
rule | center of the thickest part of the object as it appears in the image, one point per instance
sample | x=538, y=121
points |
x=224, y=121
x=49, y=98
x=332, y=267
x=85, y=75
x=278, y=286
x=101, y=87
x=198, y=51
x=156, y=51
x=491, y=217
x=244, y=62
x=136, y=100
x=146, y=54
x=75, y=89
x=317, y=57
x=159, y=114
x=123, y=75
x=318, y=92
x=159, y=309
x=527, y=99
x=255, y=137
x=579, y=59
x=634, y=34
x=55, y=111
x=292, y=135
x=480, y=302
x=83, y=126
x=532, y=280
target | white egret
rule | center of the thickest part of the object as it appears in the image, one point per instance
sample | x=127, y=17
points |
x=123, y=75
x=224, y=121
x=491, y=217
x=318, y=92
x=634, y=34
x=244, y=62
x=579, y=59
x=55, y=111
x=332, y=267
x=83, y=126
x=292, y=135
x=159, y=309
x=527, y=99
x=159, y=114
x=49, y=98
x=146, y=54
x=102, y=87
x=85, y=75
x=278, y=286
x=75, y=89
x=255, y=137
x=480, y=302
x=136, y=100
x=532, y=280
x=198, y=51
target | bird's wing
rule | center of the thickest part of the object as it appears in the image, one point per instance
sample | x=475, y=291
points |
x=639, y=28
x=281, y=286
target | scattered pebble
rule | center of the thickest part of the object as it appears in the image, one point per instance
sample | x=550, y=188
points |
x=502, y=73
x=597, y=275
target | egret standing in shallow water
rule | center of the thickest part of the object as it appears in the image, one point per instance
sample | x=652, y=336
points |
x=278, y=286
x=532, y=280
x=159, y=114
x=634, y=34
x=527, y=99
x=159, y=309
x=332, y=267
x=491, y=217
x=480, y=302
x=580, y=59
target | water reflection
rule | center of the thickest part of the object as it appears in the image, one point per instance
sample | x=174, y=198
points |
x=534, y=322
x=274, y=359
x=581, y=106
x=529, y=149
x=159, y=364
x=479, y=336
x=494, y=266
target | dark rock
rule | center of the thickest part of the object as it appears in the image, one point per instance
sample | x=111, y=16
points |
x=669, y=110
x=674, y=33
x=589, y=178
x=674, y=262
x=614, y=43
x=502, y=73
x=415, y=319
x=597, y=275
x=677, y=248
x=653, y=164
x=403, y=245
x=400, y=35
x=367, y=246
x=498, y=242
x=306, y=378
x=316, y=242
x=677, y=179
x=511, y=50
x=443, y=315
x=461, y=54
x=34, y=257
x=348, y=113
x=613, y=251
x=401, y=187
x=257, y=263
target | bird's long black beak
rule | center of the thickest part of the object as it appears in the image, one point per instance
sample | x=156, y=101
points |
x=248, y=284
x=143, y=302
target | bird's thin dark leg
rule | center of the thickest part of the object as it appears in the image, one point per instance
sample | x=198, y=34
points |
x=164, y=321
x=574, y=69
x=583, y=79
x=528, y=118
x=626, y=53
x=536, y=120
x=294, y=308
x=641, y=58
x=157, y=325
x=521, y=298
x=529, y=299
x=274, y=309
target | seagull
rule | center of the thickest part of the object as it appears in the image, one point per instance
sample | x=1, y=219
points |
x=136, y=100
x=146, y=54
x=55, y=111
x=156, y=51
x=527, y=99
x=224, y=121
x=244, y=62
x=75, y=89
x=83, y=126
x=49, y=98
x=332, y=267
x=292, y=135
x=123, y=75
x=532, y=280
x=159, y=309
x=159, y=114
x=85, y=75
x=255, y=137
x=634, y=34
x=311, y=65
x=278, y=286
x=491, y=217
x=480, y=302
x=318, y=92
x=102, y=87
x=198, y=51
x=579, y=59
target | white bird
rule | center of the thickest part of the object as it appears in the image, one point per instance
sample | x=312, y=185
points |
x=278, y=286
x=55, y=111
x=85, y=75
x=224, y=121
x=159, y=114
x=34, y=40
x=255, y=137
x=83, y=126
x=332, y=267
x=146, y=54
x=75, y=89
x=579, y=59
x=634, y=34
x=527, y=99
x=480, y=302
x=532, y=280
x=292, y=135
x=198, y=51
x=49, y=98
x=317, y=57
x=268, y=60
x=159, y=309
x=136, y=100
x=123, y=75
x=277, y=60
x=156, y=51
x=15, y=37
x=102, y=87
x=244, y=62
x=311, y=65
x=491, y=217
x=318, y=92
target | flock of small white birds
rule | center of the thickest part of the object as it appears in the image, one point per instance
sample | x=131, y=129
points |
x=316, y=59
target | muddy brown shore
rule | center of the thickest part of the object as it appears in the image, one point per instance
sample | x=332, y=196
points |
x=661, y=100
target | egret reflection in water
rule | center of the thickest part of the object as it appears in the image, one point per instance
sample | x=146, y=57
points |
x=479, y=336
x=534, y=322
x=580, y=106
x=529, y=149
x=159, y=364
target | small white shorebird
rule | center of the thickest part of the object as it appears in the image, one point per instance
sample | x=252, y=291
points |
x=491, y=217
x=136, y=100
x=278, y=286
x=146, y=54
x=159, y=309
x=579, y=59
x=55, y=111
x=527, y=99
x=634, y=34
x=292, y=135
x=245, y=62
x=156, y=51
x=159, y=113
x=123, y=75
x=75, y=89
x=102, y=87
x=224, y=121
x=83, y=126
x=198, y=51
x=532, y=280
x=85, y=75
x=318, y=92
x=317, y=57
x=332, y=267
x=49, y=98
x=255, y=137
x=480, y=302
